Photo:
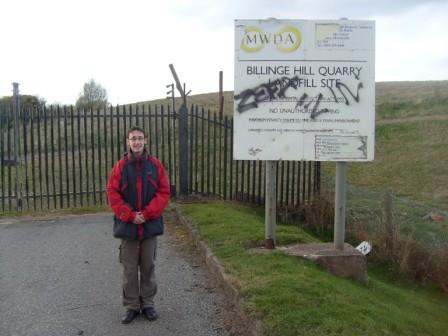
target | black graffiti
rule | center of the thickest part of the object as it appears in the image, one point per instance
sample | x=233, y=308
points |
x=254, y=152
x=314, y=112
x=347, y=102
x=250, y=98
x=301, y=100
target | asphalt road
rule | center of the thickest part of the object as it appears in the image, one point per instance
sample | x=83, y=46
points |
x=61, y=276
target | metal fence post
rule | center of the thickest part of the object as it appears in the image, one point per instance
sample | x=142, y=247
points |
x=16, y=111
x=183, y=149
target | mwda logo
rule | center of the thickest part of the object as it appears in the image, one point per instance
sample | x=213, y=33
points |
x=286, y=39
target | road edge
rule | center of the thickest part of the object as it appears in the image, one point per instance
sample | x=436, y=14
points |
x=233, y=295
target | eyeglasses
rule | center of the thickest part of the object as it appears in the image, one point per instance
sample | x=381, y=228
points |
x=134, y=139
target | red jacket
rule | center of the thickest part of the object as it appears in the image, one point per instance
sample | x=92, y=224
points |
x=118, y=182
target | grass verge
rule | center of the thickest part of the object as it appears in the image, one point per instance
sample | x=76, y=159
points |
x=292, y=296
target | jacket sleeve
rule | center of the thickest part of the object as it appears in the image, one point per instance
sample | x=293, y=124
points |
x=160, y=200
x=119, y=207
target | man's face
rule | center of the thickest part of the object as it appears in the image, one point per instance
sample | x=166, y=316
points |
x=136, y=142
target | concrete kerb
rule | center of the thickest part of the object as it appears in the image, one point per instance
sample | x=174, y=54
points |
x=48, y=217
x=232, y=293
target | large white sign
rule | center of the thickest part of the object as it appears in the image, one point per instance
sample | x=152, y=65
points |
x=304, y=90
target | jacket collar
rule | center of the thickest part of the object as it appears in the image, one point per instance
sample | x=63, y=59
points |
x=132, y=158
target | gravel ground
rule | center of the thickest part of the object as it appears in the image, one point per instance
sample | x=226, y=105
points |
x=61, y=276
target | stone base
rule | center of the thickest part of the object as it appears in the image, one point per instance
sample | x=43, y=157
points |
x=346, y=263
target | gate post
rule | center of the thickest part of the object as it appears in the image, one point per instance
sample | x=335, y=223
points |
x=16, y=111
x=183, y=150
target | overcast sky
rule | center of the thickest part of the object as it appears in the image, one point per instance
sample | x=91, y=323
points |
x=52, y=47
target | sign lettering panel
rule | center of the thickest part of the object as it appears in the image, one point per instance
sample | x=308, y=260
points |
x=304, y=90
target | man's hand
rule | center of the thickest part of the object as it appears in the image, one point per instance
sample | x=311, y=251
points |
x=139, y=219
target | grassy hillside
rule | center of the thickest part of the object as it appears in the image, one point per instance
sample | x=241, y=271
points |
x=411, y=160
x=207, y=100
x=393, y=99
x=292, y=296
x=411, y=153
x=410, y=99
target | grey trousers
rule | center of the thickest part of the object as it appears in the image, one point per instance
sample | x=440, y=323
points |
x=138, y=257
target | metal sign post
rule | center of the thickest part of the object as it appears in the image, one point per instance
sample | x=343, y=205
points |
x=270, y=204
x=340, y=205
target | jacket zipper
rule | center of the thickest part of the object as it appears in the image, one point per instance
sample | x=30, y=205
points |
x=139, y=204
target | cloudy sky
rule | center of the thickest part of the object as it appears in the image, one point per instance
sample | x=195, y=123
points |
x=52, y=47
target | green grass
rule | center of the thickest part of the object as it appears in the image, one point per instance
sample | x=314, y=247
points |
x=410, y=160
x=411, y=99
x=293, y=297
x=366, y=210
x=412, y=108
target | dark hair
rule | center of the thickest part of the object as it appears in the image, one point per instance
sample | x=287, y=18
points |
x=135, y=128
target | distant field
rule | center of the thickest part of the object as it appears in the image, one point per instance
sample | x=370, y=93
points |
x=411, y=99
x=411, y=154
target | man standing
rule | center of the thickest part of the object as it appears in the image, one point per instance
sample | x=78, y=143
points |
x=138, y=192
